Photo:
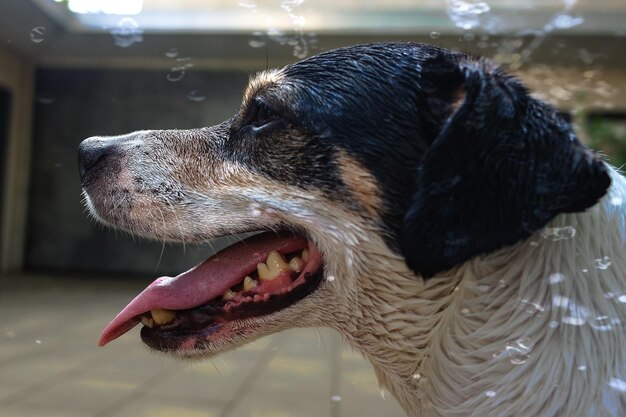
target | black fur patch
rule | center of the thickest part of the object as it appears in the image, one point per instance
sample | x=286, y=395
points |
x=455, y=182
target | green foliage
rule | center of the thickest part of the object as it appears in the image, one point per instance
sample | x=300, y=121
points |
x=608, y=135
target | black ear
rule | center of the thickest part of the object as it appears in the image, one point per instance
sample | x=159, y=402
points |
x=502, y=166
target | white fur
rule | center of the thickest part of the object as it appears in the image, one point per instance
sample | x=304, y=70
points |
x=533, y=330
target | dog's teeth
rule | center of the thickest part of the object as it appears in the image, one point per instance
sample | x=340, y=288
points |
x=147, y=321
x=228, y=295
x=162, y=316
x=296, y=264
x=305, y=255
x=276, y=265
x=249, y=283
x=263, y=270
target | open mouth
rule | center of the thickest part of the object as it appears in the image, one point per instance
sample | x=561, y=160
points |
x=256, y=277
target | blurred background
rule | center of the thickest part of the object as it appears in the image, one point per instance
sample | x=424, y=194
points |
x=71, y=69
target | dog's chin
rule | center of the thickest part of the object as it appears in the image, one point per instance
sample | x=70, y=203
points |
x=237, y=295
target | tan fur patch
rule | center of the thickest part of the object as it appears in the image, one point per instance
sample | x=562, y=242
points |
x=259, y=81
x=362, y=183
x=458, y=98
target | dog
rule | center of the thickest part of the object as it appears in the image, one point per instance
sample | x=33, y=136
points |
x=418, y=200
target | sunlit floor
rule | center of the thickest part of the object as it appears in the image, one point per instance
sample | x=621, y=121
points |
x=50, y=364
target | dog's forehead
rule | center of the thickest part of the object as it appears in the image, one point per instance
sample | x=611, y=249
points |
x=261, y=81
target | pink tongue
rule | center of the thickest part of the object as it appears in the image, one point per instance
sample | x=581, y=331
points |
x=202, y=283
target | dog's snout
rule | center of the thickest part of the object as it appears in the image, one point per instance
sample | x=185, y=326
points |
x=91, y=152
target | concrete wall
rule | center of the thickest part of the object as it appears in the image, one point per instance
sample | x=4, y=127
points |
x=72, y=105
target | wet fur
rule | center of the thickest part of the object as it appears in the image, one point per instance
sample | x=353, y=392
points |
x=440, y=194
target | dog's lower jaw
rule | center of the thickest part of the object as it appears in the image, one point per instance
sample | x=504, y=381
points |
x=544, y=319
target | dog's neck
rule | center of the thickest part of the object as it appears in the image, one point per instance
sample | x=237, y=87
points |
x=544, y=318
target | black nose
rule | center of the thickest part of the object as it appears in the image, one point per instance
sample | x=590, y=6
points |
x=91, y=152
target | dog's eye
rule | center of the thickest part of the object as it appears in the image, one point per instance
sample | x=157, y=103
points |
x=264, y=114
x=260, y=114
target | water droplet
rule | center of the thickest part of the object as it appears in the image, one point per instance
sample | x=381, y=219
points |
x=10, y=334
x=602, y=263
x=577, y=315
x=37, y=34
x=176, y=74
x=185, y=62
x=617, y=200
x=558, y=233
x=601, y=324
x=622, y=298
x=519, y=351
x=417, y=376
x=553, y=324
x=127, y=33
x=247, y=4
x=195, y=95
x=172, y=53
x=585, y=270
x=490, y=394
x=582, y=368
x=608, y=295
x=469, y=36
x=556, y=278
x=330, y=278
x=435, y=35
x=465, y=311
x=257, y=40
x=484, y=288
x=44, y=98
x=38, y=341
x=617, y=384
x=532, y=307
x=335, y=398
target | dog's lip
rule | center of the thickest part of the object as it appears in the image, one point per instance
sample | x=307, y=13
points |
x=208, y=280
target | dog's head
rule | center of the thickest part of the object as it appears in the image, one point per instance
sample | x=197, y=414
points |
x=376, y=159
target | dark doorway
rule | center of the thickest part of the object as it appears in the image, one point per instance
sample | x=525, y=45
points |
x=5, y=109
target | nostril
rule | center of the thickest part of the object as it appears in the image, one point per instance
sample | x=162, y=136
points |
x=90, y=152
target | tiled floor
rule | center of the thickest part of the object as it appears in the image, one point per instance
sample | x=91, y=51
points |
x=50, y=365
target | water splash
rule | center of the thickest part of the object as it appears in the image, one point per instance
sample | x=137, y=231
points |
x=127, y=33
x=564, y=21
x=37, y=34
x=617, y=200
x=300, y=42
x=466, y=14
